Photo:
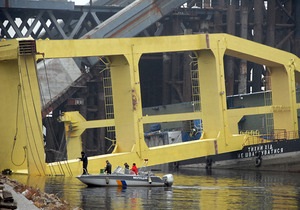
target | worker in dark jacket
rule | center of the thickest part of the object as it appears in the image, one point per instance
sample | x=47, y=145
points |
x=107, y=167
x=126, y=171
x=126, y=165
x=84, y=160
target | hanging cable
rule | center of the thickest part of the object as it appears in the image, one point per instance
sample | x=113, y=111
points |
x=47, y=78
x=25, y=106
x=59, y=155
x=43, y=100
x=16, y=133
x=35, y=111
x=66, y=161
x=24, y=117
x=17, y=113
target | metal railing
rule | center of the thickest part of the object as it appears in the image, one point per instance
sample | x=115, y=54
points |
x=276, y=135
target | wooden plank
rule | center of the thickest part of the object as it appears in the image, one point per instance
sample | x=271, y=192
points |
x=4, y=205
x=7, y=196
x=1, y=195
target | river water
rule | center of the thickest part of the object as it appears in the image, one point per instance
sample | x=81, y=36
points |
x=192, y=189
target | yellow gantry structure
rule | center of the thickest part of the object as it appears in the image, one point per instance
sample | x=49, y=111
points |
x=22, y=148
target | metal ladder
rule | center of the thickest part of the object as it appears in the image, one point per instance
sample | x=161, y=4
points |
x=269, y=122
x=195, y=84
x=109, y=108
x=195, y=88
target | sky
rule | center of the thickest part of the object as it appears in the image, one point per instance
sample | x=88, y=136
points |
x=81, y=2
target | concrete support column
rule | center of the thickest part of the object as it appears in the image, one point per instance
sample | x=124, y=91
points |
x=297, y=32
x=243, y=70
x=271, y=20
x=218, y=16
x=230, y=60
x=258, y=37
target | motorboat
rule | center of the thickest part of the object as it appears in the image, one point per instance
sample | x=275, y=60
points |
x=125, y=178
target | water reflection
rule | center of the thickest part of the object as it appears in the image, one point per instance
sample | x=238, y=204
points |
x=193, y=189
x=123, y=198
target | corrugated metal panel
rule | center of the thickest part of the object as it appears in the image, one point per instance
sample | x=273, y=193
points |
x=134, y=18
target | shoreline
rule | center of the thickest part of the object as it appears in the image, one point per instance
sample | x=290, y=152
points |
x=27, y=197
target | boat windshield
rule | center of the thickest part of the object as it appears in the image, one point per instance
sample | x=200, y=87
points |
x=144, y=171
x=119, y=170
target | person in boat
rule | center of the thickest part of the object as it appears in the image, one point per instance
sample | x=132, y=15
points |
x=126, y=168
x=134, y=168
x=107, y=167
x=84, y=160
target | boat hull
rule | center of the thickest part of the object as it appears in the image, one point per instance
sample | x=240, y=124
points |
x=104, y=180
x=282, y=155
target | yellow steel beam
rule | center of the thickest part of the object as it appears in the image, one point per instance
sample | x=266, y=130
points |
x=220, y=124
x=22, y=148
x=69, y=119
x=116, y=47
x=256, y=52
x=9, y=49
x=155, y=155
x=284, y=97
x=235, y=115
x=172, y=117
x=234, y=46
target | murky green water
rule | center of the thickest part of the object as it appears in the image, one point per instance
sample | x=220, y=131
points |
x=193, y=189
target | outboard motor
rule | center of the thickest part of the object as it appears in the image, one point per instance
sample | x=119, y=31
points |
x=168, y=180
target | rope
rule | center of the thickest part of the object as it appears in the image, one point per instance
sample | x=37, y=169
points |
x=47, y=78
x=35, y=112
x=20, y=73
x=25, y=106
x=61, y=146
x=44, y=100
x=17, y=113
x=15, y=137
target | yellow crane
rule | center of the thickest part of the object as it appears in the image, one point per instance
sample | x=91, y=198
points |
x=22, y=148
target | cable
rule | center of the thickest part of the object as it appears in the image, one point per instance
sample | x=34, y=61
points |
x=47, y=78
x=60, y=146
x=15, y=137
x=25, y=106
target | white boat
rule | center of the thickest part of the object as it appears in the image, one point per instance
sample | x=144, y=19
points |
x=125, y=178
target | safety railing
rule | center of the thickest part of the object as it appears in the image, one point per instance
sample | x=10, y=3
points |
x=276, y=135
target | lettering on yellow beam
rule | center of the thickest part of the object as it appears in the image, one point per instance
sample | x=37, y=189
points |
x=251, y=132
x=281, y=108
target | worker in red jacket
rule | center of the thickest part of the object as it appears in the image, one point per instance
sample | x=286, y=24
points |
x=134, y=168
